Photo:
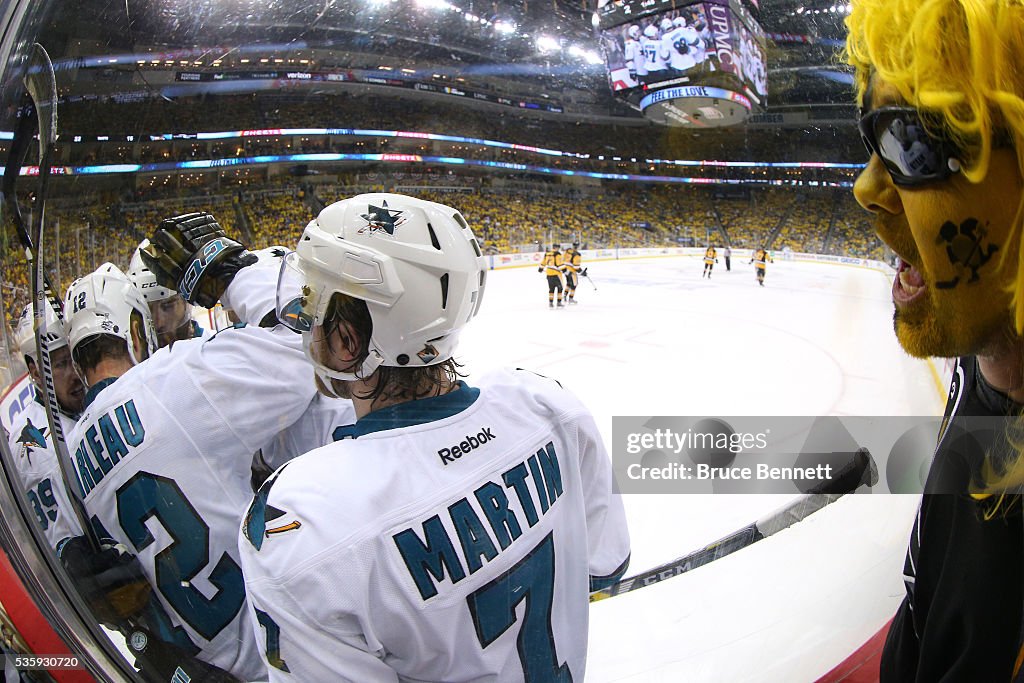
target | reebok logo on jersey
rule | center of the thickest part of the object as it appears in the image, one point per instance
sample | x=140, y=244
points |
x=467, y=445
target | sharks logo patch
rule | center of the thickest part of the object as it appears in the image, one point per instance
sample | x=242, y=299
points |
x=31, y=437
x=256, y=528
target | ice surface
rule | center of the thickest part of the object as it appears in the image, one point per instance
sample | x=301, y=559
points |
x=657, y=339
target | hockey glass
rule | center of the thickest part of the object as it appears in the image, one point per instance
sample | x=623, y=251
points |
x=911, y=154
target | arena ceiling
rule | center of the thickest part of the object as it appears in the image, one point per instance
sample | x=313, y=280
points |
x=550, y=47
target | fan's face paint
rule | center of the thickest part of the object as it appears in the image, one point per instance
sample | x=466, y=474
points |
x=951, y=291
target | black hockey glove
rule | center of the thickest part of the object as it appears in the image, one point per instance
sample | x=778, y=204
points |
x=583, y=273
x=192, y=254
x=158, y=660
x=110, y=579
x=541, y=269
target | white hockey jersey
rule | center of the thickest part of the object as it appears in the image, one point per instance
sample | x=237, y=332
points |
x=251, y=296
x=671, y=43
x=634, y=57
x=654, y=59
x=163, y=458
x=39, y=471
x=163, y=455
x=454, y=538
x=15, y=399
x=325, y=420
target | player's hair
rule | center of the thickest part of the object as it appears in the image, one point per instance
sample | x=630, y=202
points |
x=959, y=60
x=392, y=382
x=88, y=353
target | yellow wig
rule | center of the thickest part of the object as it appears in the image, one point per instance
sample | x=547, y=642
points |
x=960, y=60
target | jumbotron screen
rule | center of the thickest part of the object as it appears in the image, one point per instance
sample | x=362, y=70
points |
x=697, y=64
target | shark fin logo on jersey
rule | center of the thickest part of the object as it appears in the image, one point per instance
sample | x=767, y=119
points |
x=381, y=219
x=31, y=437
x=260, y=512
x=254, y=525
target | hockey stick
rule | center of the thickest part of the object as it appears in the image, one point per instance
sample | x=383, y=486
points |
x=15, y=161
x=154, y=654
x=581, y=274
x=860, y=471
x=41, y=84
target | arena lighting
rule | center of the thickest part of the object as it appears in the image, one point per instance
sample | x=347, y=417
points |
x=588, y=56
x=433, y=4
x=505, y=27
x=547, y=44
x=269, y=133
x=227, y=164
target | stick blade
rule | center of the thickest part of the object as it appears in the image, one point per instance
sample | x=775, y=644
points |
x=41, y=84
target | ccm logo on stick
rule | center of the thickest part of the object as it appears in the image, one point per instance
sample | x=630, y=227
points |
x=469, y=443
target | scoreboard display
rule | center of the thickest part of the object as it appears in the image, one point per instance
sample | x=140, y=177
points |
x=696, y=64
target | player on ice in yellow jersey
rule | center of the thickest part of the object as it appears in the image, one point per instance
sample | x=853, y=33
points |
x=710, y=259
x=551, y=266
x=573, y=270
x=760, y=259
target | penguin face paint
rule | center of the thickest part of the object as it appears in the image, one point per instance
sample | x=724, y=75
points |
x=950, y=293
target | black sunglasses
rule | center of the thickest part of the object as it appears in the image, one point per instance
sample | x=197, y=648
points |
x=910, y=153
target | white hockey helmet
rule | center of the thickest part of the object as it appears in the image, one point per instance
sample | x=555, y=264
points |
x=54, y=332
x=144, y=278
x=651, y=31
x=634, y=32
x=666, y=25
x=680, y=21
x=102, y=303
x=415, y=263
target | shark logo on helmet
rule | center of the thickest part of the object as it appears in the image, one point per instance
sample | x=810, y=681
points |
x=381, y=219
